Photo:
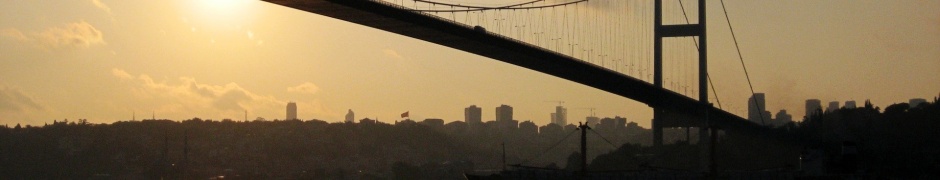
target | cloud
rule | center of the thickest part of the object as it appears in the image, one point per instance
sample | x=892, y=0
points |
x=14, y=100
x=80, y=34
x=121, y=74
x=71, y=35
x=101, y=6
x=392, y=53
x=187, y=97
x=13, y=33
x=306, y=87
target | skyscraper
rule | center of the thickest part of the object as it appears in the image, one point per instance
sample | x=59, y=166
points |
x=504, y=113
x=560, y=117
x=473, y=115
x=849, y=105
x=291, y=111
x=350, y=116
x=756, y=108
x=812, y=105
x=833, y=106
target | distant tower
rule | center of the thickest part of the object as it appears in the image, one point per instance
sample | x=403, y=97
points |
x=504, y=113
x=812, y=105
x=756, y=108
x=560, y=117
x=291, y=111
x=350, y=116
x=473, y=115
x=833, y=106
x=849, y=105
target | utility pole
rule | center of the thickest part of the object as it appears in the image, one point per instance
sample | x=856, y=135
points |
x=583, y=127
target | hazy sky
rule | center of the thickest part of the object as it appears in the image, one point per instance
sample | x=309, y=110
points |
x=105, y=60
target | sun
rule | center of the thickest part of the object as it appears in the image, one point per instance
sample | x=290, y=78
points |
x=222, y=5
x=225, y=12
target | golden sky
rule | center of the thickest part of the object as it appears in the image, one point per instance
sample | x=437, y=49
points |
x=105, y=60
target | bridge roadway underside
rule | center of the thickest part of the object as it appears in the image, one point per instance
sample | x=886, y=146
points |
x=387, y=17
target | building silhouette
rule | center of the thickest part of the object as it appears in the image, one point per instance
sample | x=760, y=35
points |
x=473, y=115
x=528, y=128
x=560, y=116
x=833, y=106
x=504, y=113
x=592, y=120
x=291, y=111
x=350, y=116
x=551, y=130
x=614, y=123
x=433, y=123
x=813, y=105
x=916, y=102
x=849, y=105
x=757, y=109
x=782, y=117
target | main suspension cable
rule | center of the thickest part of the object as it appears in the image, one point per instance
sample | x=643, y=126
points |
x=740, y=57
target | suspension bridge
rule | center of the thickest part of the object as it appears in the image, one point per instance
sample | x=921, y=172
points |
x=651, y=51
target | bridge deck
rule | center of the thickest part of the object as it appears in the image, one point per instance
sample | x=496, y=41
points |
x=395, y=19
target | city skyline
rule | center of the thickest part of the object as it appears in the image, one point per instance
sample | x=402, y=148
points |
x=225, y=59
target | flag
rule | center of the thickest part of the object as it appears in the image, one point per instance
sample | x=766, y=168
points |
x=403, y=115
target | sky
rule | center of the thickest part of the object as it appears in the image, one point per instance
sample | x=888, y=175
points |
x=108, y=61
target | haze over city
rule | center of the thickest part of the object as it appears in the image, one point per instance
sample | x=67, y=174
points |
x=214, y=59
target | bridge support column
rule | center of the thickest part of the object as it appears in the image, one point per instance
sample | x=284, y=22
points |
x=703, y=135
x=658, y=69
x=660, y=31
x=658, y=116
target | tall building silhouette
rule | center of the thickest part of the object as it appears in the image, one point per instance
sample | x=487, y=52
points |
x=849, y=105
x=473, y=115
x=757, y=107
x=291, y=111
x=833, y=106
x=813, y=105
x=560, y=116
x=350, y=116
x=504, y=113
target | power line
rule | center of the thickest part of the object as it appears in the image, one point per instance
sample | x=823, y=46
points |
x=549, y=148
x=605, y=139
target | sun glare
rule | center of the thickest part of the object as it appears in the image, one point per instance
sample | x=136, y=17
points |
x=223, y=12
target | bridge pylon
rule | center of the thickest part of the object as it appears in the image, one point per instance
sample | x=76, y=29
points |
x=661, y=116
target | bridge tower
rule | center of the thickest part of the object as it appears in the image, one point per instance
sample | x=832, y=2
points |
x=682, y=30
